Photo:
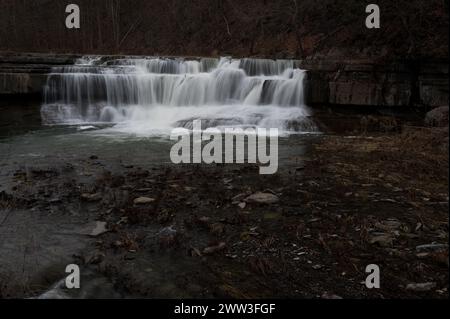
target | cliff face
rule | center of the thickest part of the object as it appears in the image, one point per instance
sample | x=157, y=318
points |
x=397, y=84
x=274, y=29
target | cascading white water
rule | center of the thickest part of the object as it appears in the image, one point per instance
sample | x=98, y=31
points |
x=147, y=94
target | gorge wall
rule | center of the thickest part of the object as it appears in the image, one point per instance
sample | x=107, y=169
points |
x=328, y=82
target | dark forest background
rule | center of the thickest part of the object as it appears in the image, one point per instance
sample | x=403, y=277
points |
x=283, y=28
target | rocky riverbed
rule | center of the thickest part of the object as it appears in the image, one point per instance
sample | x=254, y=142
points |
x=225, y=231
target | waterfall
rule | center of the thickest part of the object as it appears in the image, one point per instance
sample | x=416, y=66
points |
x=162, y=93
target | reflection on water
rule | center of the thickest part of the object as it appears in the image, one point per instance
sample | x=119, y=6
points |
x=95, y=286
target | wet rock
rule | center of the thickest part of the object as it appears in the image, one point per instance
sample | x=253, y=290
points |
x=117, y=180
x=55, y=201
x=247, y=234
x=243, y=216
x=388, y=225
x=238, y=198
x=204, y=220
x=217, y=228
x=272, y=216
x=242, y=205
x=214, y=249
x=67, y=168
x=317, y=267
x=431, y=247
x=39, y=173
x=94, y=229
x=262, y=198
x=382, y=239
x=195, y=252
x=164, y=217
x=99, y=229
x=388, y=200
x=437, y=117
x=261, y=265
x=420, y=287
x=167, y=236
x=327, y=295
x=91, y=197
x=143, y=200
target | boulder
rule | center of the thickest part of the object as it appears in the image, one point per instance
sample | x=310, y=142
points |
x=437, y=117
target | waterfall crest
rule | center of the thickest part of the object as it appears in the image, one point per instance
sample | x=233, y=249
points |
x=167, y=92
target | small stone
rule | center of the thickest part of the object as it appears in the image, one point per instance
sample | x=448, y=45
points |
x=271, y=216
x=431, y=247
x=437, y=117
x=143, y=200
x=91, y=197
x=388, y=225
x=167, y=236
x=262, y=198
x=205, y=220
x=330, y=296
x=388, y=200
x=238, y=198
x=242, y=205
x=213, y=249
x=217, y=228
x=384, y=240
x=317, y=267
x=96, y=258
x=427, y=286
x=422, y=255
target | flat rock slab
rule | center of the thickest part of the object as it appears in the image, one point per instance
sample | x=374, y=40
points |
x=94, y=229
x=262, y=198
